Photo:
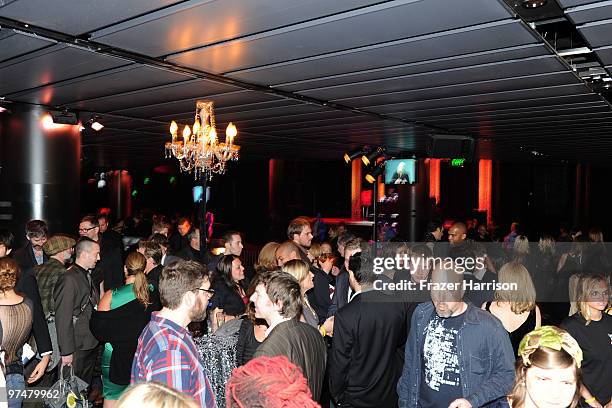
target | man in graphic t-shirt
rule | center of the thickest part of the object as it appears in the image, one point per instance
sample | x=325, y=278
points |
x=457, y=355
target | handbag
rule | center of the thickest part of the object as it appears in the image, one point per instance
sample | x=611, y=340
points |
x=67, y=392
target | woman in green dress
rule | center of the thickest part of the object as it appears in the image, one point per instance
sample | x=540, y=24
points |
x=136, y=287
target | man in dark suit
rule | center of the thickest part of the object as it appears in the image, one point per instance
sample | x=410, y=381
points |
x=107, y=233
x=179, y=238
x=75, y=297
x=110, y=268
x=32, y=253
x=192, y=251
x=366, y=357
x=278, y=301
x=343, y=289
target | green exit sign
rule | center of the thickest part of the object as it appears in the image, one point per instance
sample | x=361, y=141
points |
x=457, y=162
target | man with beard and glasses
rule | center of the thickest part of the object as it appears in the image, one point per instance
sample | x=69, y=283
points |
x=166, y=352
x=32, y=253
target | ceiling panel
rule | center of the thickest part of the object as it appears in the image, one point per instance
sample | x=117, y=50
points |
x=439, y=64
x=482, y=99
x=529, y=103
x=590, y=12
x=597, y=34
x=573, y=3
x=125, y=79
x=436, y=92
x=436, y=79
x=400, y=19
x=215, y=21
x=228, y=102
x=450, y=47
x=13, y=44
x=49, y=65
x=78, y=17
x=605, y=55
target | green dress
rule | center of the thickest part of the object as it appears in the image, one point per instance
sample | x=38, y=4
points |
x=112, y=391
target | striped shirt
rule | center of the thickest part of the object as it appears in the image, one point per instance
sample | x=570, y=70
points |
x=166, y=353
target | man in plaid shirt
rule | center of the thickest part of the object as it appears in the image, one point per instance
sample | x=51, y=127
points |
x=166, y=352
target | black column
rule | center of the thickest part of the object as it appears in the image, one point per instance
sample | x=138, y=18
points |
x=39, y=171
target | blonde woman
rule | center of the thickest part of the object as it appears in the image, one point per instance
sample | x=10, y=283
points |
x=592, y=328
x=547, y=371
x=266, y=260
x=154, y=395
x=516, y=309
x=301, y=272
x=137, y=289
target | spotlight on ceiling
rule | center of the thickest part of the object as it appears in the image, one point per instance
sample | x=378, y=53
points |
x=532, y=4
x=376, y=171
x=3, y=109
x=350, y=156
x=95, y=124
x=64, y=117
x=373, y=155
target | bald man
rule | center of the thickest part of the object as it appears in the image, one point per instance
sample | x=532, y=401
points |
x=457, y=234
x=286, y=252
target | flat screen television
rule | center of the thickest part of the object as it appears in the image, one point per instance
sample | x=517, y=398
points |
x=402, y=171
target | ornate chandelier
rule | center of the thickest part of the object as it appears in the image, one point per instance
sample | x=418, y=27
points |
x=200, y=152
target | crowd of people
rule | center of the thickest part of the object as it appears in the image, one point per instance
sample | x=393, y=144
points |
x=161, y=321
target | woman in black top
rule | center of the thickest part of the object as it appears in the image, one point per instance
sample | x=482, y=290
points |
x=230, y=296
x=592, y=329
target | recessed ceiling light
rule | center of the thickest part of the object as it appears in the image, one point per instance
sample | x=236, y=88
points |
x=531, y=4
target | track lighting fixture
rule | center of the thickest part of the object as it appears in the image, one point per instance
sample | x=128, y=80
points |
x=350, y=156
x=375, y=172
x=373, y=155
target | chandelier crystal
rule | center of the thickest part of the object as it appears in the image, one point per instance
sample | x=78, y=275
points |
x=200, y=151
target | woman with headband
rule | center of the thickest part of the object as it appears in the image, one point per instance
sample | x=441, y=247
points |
x=547, y=371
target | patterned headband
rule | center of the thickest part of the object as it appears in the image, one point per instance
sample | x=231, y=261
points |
x=551, y=337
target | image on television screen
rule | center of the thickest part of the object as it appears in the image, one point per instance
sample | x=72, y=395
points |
x=400, y=171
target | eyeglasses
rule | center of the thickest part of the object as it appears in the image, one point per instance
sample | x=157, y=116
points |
x=87, y=229
x=210, y=292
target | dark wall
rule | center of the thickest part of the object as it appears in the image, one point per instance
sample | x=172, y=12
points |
x=239, y=198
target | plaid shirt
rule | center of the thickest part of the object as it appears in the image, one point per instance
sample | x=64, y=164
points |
x=166, y=353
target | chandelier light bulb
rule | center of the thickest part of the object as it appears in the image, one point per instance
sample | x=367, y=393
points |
x=173, y=128
x=231, y=130
x=213, y=136
x=186, y=133
x=196, y=127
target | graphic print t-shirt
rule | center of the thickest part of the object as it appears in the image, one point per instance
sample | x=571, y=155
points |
x=440, y=375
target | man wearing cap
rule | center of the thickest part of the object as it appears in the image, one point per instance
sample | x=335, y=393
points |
x=59, y=250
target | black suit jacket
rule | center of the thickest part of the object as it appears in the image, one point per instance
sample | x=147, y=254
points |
x=73, y=292
x=27, y=286
x=110, y=266
x=366, y=358
x=319, y=295
x=25, y=258
x=340, y=297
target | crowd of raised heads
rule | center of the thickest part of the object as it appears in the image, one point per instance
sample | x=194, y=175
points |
x=145, y=315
